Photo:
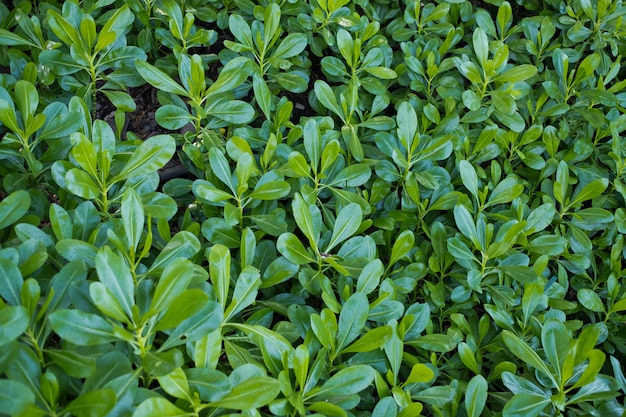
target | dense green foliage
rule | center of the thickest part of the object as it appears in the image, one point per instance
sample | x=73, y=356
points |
x=393, y=208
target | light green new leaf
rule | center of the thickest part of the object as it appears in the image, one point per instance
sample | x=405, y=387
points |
x=184, y=244
x=517, y=73
x=401, y=247
x=262, y=95
x=590, y=190
x=82, y=184
x=291, y=46
x=106, y=302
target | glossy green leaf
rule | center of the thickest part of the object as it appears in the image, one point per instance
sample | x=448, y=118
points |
x=81, y=328
x=476, y=396
x=159, y=79
x=95, y=403
x=158, y=407
x=15, y=397
x=522, y=350
x=13, y=207
x=152, y=154
x=250, y=394
x=525, y=405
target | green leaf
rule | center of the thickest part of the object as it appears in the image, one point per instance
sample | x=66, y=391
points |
x=272, y=190
x=13, y=207
x=291, y=46
x=82, y=184
x=348, y=381
x=173, y=117
x=245, y=292
x=15, y=397
x=555, y=340
x=346, y=224
x=116, y=276
x=550, y=245
x=370, y=276
x=26, y=99
x=250, y=394
x=80, y=328
x=158, y=407
x=372, y=340
x=525, y=405
x=12, y=39
x=522, y=350
x=590, y=300
x=233, y=74
x=151, y=155
x=132, y=218
x=589, y=191
x=420, y=373
x=172, y=283
x=219, y=272
x=14, y=321
x=517, y=73
x=159, y=79
x=352, y=318
x=469, y=177
x=175, y=384
x=327, y=98
x=476, y=396
x=95, y=403
x=401, y=247
x=308, y=219
x=233, y=111
x=262, y=95
x=481, y=45
x=292, y=248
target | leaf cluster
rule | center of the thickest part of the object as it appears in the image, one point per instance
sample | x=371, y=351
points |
x=390, y=208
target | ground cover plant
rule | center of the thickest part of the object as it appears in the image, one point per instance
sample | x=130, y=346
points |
x=381, y=208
